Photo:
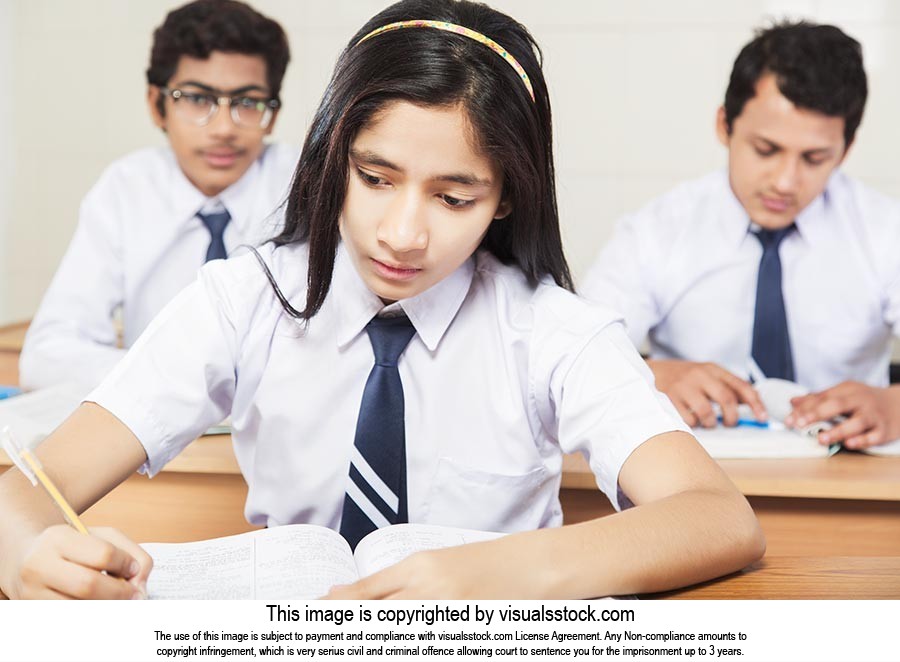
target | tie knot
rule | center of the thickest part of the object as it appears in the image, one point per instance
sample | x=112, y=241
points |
x=389, y=337
x=771, y=239
x=215, y=222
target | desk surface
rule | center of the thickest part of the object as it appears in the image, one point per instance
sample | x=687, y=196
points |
x=803, y=578
x=12, y=336
x=843, y=476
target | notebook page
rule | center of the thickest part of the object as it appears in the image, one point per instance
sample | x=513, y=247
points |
x=392, y=544
x=300, y=561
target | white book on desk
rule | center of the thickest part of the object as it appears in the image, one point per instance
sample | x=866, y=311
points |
x=776, y=441
x=296, y=561
x=32, y=416
x=890, y=449
x=725, y=443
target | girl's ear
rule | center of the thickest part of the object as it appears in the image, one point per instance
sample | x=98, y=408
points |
x=504, y=209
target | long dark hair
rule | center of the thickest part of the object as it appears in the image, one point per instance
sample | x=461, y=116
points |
x=430, y=67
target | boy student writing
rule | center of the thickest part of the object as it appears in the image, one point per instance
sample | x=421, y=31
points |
x=418, y=296
x=781, y=258
x=156, y=215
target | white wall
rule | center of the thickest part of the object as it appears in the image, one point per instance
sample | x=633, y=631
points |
x=7, y=132
x=635, y=86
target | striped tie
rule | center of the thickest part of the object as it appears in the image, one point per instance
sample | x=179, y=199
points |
x=216, y=223
x=376, y=489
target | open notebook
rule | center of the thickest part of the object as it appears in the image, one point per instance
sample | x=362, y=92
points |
x=296, y=561
x=775, y=441
x=32, y=416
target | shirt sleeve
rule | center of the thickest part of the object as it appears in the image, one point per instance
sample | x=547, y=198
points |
x=179, y=377
x=607, y=406
x=72, y=337
x=618, y=279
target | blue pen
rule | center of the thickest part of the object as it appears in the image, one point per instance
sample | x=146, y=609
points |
x=8, y=392
x=748, y=423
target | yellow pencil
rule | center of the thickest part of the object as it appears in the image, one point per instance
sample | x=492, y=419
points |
x=29, y=465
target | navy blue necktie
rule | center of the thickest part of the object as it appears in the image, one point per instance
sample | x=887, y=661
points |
x=376, y=490
x=216, y=223
x=771, y=341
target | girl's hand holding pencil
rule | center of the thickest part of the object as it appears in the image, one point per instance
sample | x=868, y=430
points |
x=63, y=563
x=70, y=561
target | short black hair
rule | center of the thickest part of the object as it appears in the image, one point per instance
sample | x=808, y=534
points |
x=434, y=69
x=203, y=26
x=817, y=67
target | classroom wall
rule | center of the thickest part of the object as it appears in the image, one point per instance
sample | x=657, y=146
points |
x=635, y=86
x=7, y=131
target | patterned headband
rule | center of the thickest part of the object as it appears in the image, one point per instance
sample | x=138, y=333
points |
x=466, y=32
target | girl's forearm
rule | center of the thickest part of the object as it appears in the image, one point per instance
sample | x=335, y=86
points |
x=683, y=539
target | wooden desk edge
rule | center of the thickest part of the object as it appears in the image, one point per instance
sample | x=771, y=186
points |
x=214, y=455
x=12, y=336
x=752, y=481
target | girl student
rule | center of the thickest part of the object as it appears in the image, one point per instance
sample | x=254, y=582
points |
x=407, y=349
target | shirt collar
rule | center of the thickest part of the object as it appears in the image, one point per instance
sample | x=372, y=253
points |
x=809, y=222
x=736, y=221
x=187, y=200
x=238, y=198
x=430, y=312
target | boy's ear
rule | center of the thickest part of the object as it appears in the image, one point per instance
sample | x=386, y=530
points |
x=722, y=132
x=846, y=151
x=504, y=209
x=153, y=97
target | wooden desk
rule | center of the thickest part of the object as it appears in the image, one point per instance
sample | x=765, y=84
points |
x=9, y=367
x=803, y=578
x=846, y=475
x=12, y=336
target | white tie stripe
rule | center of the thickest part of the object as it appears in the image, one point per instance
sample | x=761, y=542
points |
x=363, y=503
x=374, y=480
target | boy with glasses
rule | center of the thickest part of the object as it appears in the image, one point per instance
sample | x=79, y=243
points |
x=157, y=215
x=779, y=265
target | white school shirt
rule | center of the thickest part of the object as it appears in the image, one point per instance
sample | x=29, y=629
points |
x=498, y=381
x=138, y=243
x=683, y=269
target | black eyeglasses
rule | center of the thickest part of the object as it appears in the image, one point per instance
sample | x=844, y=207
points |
x=200, y=107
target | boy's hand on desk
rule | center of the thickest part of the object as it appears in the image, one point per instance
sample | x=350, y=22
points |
x=64, y=564
x=484, y=570
x=693, y=387
x=872, y=414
